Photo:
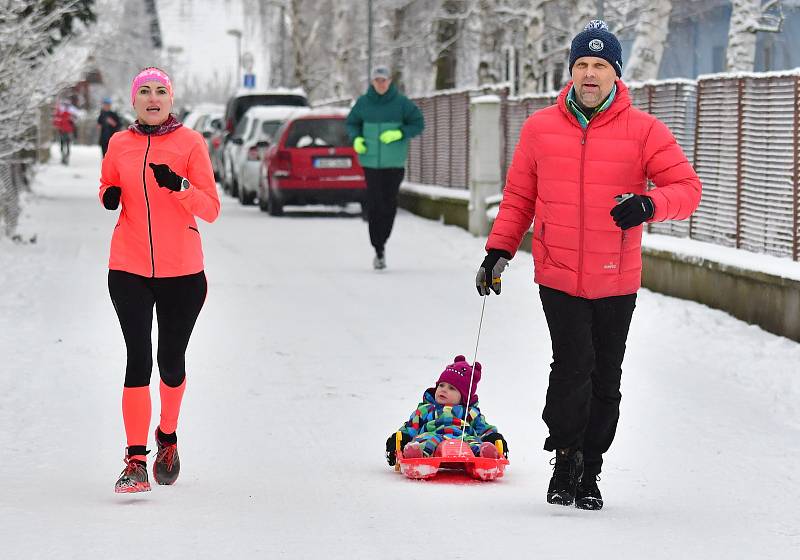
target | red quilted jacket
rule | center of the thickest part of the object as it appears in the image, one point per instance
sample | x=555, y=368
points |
x=566, y=178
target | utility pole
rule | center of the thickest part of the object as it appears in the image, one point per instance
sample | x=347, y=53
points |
x=369, y=40
x=237, y=34
x=283, y=43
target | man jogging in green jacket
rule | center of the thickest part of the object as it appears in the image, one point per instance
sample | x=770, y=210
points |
x=380, y=124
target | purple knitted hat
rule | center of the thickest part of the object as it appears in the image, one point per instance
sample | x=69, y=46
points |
x=458, y=374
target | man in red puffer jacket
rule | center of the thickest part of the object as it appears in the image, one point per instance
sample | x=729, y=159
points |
x=580, y=170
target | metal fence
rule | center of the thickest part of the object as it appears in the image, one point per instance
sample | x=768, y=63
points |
x=741, y=132
x=440, y=155
x=746, y=153
x=672, y=101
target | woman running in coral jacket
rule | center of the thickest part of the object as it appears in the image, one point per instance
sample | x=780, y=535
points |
x=161, y=174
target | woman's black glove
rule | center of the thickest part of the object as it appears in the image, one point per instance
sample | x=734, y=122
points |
x=632, y=210
x=490, y=270
x=391, y=447
x=166, y=177
x=111, y=198
x=492, y=438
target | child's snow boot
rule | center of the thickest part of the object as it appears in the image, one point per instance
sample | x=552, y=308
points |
x=587, y=494
x=167, y=465
x=567, y=470
x=133, y=478
x=412, y=451
x=489, y=450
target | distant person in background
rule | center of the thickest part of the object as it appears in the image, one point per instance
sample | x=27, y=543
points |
x=160, y=172
x=64, y=119
x=380, y=124
x=107, y=124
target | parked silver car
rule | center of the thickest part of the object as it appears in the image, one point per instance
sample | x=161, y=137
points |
x=236, y=107
x=245, y=149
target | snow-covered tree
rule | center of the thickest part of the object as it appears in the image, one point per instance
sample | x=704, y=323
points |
x=121, y=49
x=741, y=52
x=747, y=18
x=37, y=60
x=651, y=32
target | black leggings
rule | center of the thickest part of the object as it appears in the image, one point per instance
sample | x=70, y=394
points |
x=178, y=302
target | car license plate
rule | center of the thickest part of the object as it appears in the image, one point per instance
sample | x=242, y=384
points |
x=332, y=162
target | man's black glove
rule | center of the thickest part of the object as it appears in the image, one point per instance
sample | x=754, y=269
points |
x=490, y=270
x=391, y=447
x=166, y=177
x=111, y=198
x=492, y=438
x=632, y=209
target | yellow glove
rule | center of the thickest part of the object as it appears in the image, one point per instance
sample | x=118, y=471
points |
x=359, y=146
x=389, y=136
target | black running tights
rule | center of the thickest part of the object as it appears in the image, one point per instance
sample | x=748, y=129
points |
x=177, y=302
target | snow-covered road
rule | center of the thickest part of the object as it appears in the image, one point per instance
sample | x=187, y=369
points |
x=304, y=360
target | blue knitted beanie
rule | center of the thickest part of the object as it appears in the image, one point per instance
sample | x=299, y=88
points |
x=597, y=40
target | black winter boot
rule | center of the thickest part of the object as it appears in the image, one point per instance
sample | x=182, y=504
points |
x=567, y=470
x=587, y=494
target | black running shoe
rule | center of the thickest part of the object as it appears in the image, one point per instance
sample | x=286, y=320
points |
x=167, y=465
x=587, y=494
x=567, y=470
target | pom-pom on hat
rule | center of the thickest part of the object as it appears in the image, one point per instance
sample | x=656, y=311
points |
x=597, y=40
x=151, y=74
x=458, y=374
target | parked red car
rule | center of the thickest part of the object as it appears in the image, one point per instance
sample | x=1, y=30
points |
x=311, y=162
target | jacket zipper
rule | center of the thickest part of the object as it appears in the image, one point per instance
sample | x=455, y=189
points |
x=580, y=230
x=147, y=203
x=621, y=253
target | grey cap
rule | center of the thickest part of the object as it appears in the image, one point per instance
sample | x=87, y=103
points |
x=381, y=72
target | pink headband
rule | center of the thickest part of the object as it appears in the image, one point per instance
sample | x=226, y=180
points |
x=150, y=75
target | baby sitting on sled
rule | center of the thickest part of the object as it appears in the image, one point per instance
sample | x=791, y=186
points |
x=440, y=416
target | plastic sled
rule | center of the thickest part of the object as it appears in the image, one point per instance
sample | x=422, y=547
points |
x=453, y=455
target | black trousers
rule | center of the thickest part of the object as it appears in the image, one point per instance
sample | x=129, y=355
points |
x=177, y=301
x=582, y=405
x=382, y=188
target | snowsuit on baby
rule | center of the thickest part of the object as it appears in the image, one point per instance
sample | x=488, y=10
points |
x=431, y=423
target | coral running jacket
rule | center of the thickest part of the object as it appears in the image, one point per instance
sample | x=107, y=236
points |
x=156, y=234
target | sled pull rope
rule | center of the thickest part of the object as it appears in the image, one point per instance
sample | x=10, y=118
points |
x=472, y=373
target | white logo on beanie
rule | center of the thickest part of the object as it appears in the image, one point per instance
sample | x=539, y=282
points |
x=596, y=45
